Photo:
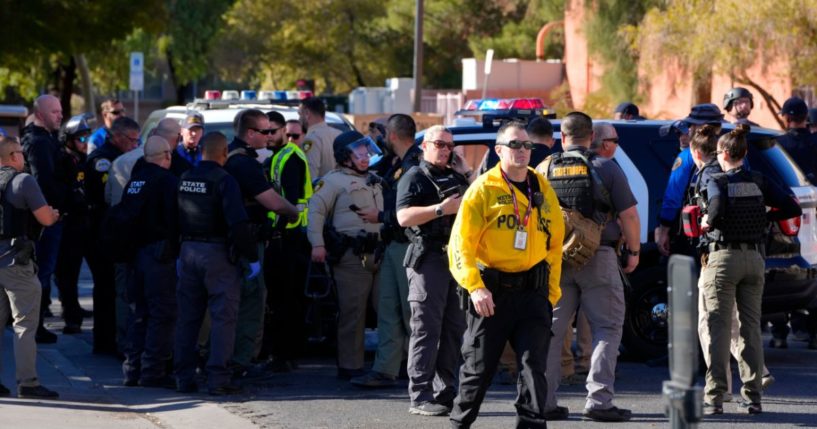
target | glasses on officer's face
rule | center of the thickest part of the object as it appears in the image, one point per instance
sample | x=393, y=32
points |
x=442, y=144
x=117, y=112
x=267, y=132
x=518, y=144
x=293, y=136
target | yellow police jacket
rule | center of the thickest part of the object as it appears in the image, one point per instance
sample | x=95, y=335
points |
x=484, y=231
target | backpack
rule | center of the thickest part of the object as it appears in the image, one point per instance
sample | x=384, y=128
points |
x=582, y=233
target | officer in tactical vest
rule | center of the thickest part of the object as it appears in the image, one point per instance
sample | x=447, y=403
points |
x=215, y=231
x=287, y=254
x=73, y=245
x=428, y=198
x=109, y=326
x=703, y=146
x=592, y=192
x=733, y=270
x=20, y=290
x=344, y=231
x=152, y=195
x=505, y=252
x=253, y=131
x=393, y=312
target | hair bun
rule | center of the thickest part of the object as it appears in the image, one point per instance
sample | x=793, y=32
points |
x=707, y=130
x=740, y=130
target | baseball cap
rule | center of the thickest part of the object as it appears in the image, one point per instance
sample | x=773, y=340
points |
x=193, y=119
x=794, y=106
x=603, y=131
x=678, y=125
x=627, y=108
x=706, y=113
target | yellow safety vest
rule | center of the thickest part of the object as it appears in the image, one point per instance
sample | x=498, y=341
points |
x=279, y=160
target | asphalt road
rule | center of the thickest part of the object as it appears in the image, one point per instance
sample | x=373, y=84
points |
x=311, y=397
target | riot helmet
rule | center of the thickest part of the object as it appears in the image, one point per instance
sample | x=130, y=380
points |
x=76, y=127
x=733, y=94
x=353, y=146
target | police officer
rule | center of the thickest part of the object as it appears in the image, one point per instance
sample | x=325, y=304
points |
x=812, y=120
x=151, y=295
x=73, y=246
x=253, y=131
x=287, y=254
x=742, y=101
x=318, y=144
x=540, y=131
x=109, y=320
x=667, y=234
x=428, y=198
x=393, y=312
x=42, y=150
x=210, y=211
x=191, y=132
x=505, y=251
x=19, y=287
x=346, y=203
x=733, y=268
x=595, y=189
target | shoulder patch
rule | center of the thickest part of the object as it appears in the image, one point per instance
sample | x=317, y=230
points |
x=677, y=163
x=318, y=186
x=307, y=145
x=398, y=173
x=102, y=165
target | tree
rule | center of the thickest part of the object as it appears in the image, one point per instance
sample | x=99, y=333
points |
x=521, y=24
x=730, y=36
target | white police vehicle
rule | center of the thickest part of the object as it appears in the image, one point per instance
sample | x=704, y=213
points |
x=219, y=115
x=646, y=158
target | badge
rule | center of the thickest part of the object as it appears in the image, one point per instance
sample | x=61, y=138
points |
x=102, y=165
x=520, y=240
x=677, y=163
x=398, y=173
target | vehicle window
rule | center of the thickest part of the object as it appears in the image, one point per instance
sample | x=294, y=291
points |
x=342, y=126
x=775, y=163
x=222, y=127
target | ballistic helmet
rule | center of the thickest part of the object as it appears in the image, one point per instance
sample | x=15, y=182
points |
x=733, y=94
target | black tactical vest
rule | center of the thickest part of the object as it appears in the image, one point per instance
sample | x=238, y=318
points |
x=446, y=184
x=15, y=222
x=577, y=185
x=200, y=204
x=744, y=219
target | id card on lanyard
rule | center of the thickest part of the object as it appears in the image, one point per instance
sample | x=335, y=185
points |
x=520, y=239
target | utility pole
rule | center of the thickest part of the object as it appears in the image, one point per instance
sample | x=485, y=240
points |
x=418, y=55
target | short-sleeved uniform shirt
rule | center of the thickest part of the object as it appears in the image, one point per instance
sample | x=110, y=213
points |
x=23, y=193
x=621, y=196
x=249, y=174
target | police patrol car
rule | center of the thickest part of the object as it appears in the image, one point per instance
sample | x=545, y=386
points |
x=647, y=159
x=219, y=115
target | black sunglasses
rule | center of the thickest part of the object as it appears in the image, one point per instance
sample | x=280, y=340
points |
x=293, y=136
x=266, y=132
x=439, y=144
x=518, y=144
x=116, y=112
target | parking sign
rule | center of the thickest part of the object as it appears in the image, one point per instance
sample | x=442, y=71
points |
x=137, y=71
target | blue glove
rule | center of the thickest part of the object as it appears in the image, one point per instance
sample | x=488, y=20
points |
x=255, y=269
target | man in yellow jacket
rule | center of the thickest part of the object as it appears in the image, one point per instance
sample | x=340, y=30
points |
x=505, y=251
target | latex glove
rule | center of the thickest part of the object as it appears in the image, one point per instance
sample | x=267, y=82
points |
x=255, y=269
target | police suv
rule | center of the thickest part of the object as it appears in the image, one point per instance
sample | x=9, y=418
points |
x=647, y=158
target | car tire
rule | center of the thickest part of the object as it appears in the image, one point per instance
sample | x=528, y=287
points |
x=645, y=333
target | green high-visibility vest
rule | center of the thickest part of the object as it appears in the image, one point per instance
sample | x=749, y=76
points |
x=279, y=160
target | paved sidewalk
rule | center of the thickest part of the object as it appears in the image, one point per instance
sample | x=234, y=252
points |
x=92, y=395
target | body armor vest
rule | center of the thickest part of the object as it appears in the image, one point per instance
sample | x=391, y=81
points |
x=15, y=222
x=200, y=204
x=578, y=186
x=744, y=219
x=438, y=229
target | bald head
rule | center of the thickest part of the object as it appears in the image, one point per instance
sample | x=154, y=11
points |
x=169, y=129
x=157, y=151
x=48, y=112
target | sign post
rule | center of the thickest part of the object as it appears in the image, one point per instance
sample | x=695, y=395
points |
x=137, y=79
x=489, y=58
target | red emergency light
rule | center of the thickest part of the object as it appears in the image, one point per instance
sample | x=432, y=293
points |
x=212, y=94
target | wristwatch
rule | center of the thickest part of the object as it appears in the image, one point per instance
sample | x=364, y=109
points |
x=631, y=252
x=438, y=210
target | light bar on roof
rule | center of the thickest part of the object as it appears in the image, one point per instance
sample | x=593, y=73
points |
x=212, y=94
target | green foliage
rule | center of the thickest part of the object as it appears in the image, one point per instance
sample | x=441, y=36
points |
x=605, y=40
x=517, y=38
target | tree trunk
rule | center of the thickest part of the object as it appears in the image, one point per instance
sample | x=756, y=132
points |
x=702, y=87
x=178, y=89
x=87, y=85
x=65, y=85
x=769, y=98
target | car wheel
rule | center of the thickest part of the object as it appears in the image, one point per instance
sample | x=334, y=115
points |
x=645, y=324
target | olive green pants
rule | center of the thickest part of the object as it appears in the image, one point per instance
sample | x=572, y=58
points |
x=733, y=277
